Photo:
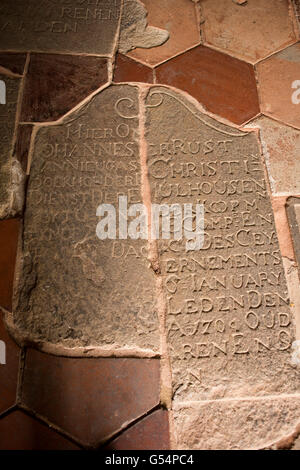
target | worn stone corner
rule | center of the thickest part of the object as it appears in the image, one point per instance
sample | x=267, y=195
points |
x=135, y=31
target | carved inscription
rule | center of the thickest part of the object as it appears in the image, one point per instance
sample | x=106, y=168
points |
x=76, y=289
x=7, y=127
x=229, y=324
x=87, y=26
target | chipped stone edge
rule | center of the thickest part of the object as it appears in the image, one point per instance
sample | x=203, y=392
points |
x=24, y=341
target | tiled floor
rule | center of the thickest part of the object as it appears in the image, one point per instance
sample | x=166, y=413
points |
x=241, y=62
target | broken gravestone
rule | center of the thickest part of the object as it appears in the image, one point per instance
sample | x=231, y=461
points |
x=75, y=289
x=78, y=26
x=229, y=327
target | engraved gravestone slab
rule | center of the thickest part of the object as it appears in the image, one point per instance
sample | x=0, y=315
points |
x=80, y=26
x=229, y=324
x=8, y=107
x=76, y=289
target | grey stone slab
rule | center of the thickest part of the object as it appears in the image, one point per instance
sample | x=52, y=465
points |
x=8, y=169
x=77, y=26
x=236, y=424
x=75, y=289
x=229, y=326
x=293, y=213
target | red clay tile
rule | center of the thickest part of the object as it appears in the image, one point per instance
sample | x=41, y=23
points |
x=9, y=231
x=56, y=83
x=151, y=433
x=279, y=85
x=13, y=62
x=23, y=144
x=179, y=18
x=22, y=432
x=128, y=70
x=250, y=31
x=9, y=353
x=224, y=85
x=90, y=398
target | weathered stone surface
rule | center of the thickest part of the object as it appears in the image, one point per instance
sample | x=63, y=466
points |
x=235, y=424
x=76, y=289
x=282, y=227
x=135, y=31
x=297, y=10
x=9, y=169
x=86, y=26
x=179, y=18
x=293, y=213
x=280, y=145
x=229, y=325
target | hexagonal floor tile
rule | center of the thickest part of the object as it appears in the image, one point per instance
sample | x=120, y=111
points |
x=9, y=232
x=129, y=70
x=56, y=83
x=279, y=85
x=251, y=31
x=179, y=18
x=225, y=86
x=13, y=61
x=22, y=432
x=90, y=398
x=151, y=433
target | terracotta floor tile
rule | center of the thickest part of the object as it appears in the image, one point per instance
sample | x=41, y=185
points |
x=128, y=70
x=279, y=85
x=224, y=85
x=9, y=370
x=90, y=398
x=22, y=432
x=151, y=433
x=281, y=145
x=9, y=231
x=23, y=144
x=179, y=18
x=251, y=31
x=57, y=83
x=13, y=62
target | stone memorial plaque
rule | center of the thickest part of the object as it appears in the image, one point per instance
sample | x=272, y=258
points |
x=78, y=26
x=8, y=107
x=76, y=289
x=229, y=326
